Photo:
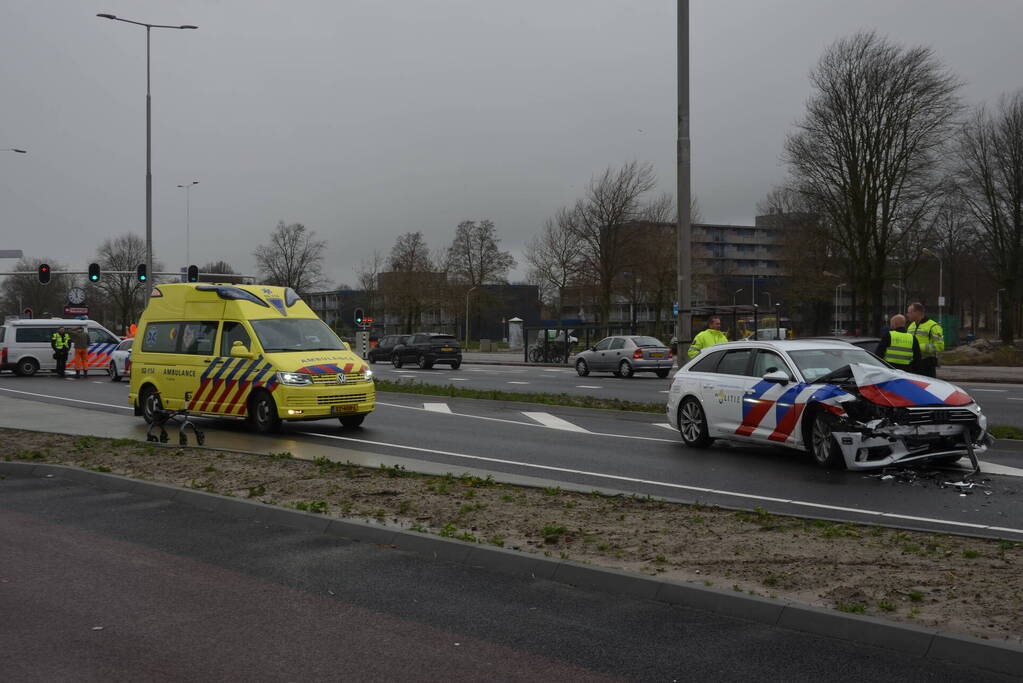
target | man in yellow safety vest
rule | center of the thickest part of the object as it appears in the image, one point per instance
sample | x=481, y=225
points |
x=931, y=338
x=709, y=337
x=60, y=342
x=898, y=346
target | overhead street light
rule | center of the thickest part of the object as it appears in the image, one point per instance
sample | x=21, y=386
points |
x=15, y=149
x=735, y=294
x=149, y=145
x=188, y=221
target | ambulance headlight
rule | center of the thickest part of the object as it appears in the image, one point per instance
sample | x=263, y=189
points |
x=369, y=375
x=294, y=379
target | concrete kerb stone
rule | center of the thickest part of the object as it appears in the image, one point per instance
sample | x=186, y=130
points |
x=912, y=640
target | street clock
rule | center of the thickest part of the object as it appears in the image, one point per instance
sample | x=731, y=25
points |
x=76, y=296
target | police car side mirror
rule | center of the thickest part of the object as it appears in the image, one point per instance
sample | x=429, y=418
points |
x=238, y=350
x=776, y=376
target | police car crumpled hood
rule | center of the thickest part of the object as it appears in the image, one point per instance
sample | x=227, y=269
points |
x=895, y=388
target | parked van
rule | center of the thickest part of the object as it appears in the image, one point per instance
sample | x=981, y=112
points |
x=25, y=345
x=251, y=351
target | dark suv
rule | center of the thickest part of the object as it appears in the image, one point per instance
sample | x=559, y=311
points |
x=427, y=348
x=385, y=347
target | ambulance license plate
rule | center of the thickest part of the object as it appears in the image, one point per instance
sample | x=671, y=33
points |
x=657, y=355
x=346, y=408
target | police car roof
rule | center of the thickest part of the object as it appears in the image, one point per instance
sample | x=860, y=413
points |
x=66, y=322
x=787, y=344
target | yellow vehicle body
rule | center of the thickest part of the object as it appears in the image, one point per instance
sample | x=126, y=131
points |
x=252, y=351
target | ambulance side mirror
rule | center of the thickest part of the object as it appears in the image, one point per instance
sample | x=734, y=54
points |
x=238, y=350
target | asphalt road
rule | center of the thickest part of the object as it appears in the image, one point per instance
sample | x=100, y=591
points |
x=618, y=452
x=101, y=586
x=1002, y=403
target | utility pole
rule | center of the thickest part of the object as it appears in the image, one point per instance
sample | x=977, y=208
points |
x=684, y=322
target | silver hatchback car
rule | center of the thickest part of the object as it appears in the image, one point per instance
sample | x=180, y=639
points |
x=626, y=355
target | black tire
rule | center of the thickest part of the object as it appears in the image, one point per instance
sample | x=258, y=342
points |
x=823, y=446
x=423, y=363
x=692, y=424
x=263, y=413
x=535, y=355
x=371, y=358
x=351, y=421
x=396, y=361
x=625, y=369
x=149, y=401
x=26, y=367
x=663, y=373
x=581, y=368
x=112, y=371
x=457, y=364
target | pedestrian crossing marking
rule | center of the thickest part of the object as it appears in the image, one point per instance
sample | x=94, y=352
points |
x=437, y=407
x=555, y=422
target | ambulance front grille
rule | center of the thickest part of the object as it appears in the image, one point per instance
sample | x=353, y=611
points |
x=331, y=378
x=330, y=400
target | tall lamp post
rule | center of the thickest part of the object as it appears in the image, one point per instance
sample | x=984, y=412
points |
x=735, y=294
x=149, y=148
x=837, y=321
x=188, y=221
x=15, y=149
x=768, y=295
x=941, y=297
x=467, y=316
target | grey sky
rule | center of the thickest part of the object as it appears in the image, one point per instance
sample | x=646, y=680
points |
x=364, y=120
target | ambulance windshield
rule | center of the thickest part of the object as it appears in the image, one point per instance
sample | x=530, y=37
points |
x=278, y=335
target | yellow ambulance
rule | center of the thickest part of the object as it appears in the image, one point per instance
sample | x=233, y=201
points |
x=244, y=351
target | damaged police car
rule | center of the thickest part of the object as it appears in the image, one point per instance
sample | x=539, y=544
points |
x=844, y=405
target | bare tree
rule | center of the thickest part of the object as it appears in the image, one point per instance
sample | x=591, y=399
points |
x=991, y=179
x=867, y=152
x=613, y=200
x=553, y=258
x=219, y=267
x=412, y=281
x=367, y=279
x=294, y=258
x=475, y=257
x=25, y=291
x=122, y=291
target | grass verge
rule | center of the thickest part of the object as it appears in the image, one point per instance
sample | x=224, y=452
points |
x=451, y=390
x=1006, y=432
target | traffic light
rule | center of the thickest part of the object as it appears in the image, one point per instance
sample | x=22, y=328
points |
x=140, y=272
x=193, y=273
x=44, y=273
x=358, y=316
x=93, y=272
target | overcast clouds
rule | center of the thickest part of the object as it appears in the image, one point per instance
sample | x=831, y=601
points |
x=365, y=120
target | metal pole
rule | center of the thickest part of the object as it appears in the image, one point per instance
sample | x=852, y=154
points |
x=149, y=180
x=941, y=296
x=467, y=317
x=684, y=323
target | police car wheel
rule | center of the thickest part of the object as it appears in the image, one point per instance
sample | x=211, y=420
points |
x=823, y=445
x=26, y=367
x=151, y=404
x=112, y=371
x=263, y=413
x=692, y=424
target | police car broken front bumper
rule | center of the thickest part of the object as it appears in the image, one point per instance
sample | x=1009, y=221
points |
x=886, y=444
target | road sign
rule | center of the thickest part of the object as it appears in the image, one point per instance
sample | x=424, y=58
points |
x=674, y=309
x=941, y=301
x=76, y=310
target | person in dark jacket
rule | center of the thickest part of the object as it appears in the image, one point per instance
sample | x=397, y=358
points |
x=60, y=342
x=899, y=347
x=80, y=338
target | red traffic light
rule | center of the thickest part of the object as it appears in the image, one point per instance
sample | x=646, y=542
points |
x=44, y=273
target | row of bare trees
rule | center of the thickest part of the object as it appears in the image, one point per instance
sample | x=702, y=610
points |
x=889, y=170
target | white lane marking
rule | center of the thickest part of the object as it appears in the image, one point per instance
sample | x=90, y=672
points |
x=518, y=382
x=683, y=487
x=992, y=468
x=65, y=398
x=532, y=424
x=459, y=379
x=97, y=382
x=587, y=386
x=1015, y=399
x=665, y=391
x=554, y=422
x=999, y=391
x=437, y=407
x=665, y=425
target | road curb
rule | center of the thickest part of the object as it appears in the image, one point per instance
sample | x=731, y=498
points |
x=912, y=640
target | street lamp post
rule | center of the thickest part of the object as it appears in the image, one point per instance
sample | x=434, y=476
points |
x=735, y=294
x=768, y=294
x=941, y=277
x=149, y=146
x=837, y=321
x=188, y=221
x=467, y=317
x=15, y=149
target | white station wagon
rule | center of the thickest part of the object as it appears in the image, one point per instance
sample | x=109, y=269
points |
x=845, y=406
